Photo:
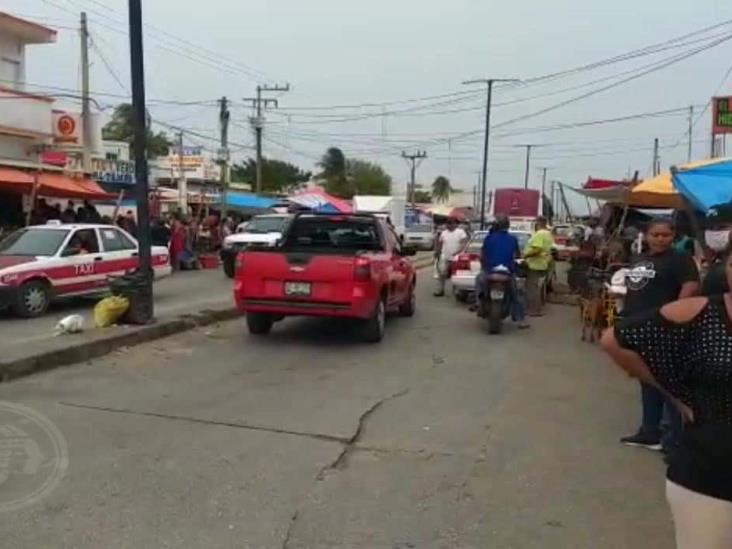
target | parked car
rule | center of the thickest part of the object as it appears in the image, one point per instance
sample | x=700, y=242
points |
x=420, y=236
x=328, y=265
x=261, y=229
x=566, y=241
x=41, y=263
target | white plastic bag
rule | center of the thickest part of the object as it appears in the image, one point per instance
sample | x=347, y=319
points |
x=72, y=324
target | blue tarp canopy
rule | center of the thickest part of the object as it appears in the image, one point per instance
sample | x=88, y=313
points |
x=705, y=186
x=244, y=201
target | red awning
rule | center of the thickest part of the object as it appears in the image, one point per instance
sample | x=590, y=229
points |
x=15, y=180
x=593, y=184
x=51, y=185
x=58, y=185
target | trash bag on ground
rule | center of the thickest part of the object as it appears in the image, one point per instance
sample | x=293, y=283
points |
x=109, y=310
x=72, y=324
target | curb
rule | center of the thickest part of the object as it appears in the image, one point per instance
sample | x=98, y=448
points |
x=14, y=369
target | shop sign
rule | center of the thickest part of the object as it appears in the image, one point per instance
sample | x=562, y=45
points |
x=114, y=171
x=54, y=158
x=66, y=127
x=721, y=115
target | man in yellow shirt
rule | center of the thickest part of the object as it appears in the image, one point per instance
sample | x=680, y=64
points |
x=538, y=254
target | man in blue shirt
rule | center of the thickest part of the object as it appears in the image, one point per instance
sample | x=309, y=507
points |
x=500, y=251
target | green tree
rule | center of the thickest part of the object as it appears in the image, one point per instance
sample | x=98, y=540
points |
x=367, y=178
x=122, y=128
x=277, y=176
x=422, y=197
x=441, y=189
x=333, y=164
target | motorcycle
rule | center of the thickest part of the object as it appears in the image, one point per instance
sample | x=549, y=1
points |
x=495, y=299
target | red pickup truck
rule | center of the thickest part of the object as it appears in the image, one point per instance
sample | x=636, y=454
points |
x=330, y=265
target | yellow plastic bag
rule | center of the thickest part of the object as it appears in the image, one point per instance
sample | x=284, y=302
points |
x=109, y=310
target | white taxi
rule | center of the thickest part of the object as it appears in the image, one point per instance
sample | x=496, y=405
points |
x=44, y=262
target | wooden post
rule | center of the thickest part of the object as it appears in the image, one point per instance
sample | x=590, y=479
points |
x=117, y=206
x=34, y=195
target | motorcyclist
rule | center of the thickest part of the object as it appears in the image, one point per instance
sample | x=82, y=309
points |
x=499, y=252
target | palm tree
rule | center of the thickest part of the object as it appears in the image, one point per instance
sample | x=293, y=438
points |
x=441, y=189
x=333, y=164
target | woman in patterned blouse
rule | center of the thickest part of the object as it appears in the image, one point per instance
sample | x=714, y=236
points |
x=685, y=350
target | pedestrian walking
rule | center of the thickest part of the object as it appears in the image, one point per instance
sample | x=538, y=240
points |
x=69, y=214
x=177, y=242
x=538, y=254
x=684, y=350
x=653, y=279
x=450, y=242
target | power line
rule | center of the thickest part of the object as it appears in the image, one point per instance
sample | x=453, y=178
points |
x=196, y=55
x=191, y=48
x=108, y=65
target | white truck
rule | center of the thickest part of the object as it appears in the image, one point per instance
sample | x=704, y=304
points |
x=389, y=207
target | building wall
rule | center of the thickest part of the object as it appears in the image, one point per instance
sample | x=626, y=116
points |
x=12, y=62
x=13, y=148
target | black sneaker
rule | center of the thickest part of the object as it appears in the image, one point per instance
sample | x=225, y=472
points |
x=642, y=440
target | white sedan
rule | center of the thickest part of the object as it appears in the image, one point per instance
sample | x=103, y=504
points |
x=465, y=265
x=43, y=262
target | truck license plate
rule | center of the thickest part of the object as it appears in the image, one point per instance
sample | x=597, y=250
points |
x=497, y=294
x=297, y=288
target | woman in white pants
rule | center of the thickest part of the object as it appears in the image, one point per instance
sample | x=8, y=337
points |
x=685, y=349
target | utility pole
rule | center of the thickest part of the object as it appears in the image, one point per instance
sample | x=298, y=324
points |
x=137, y=71
x=258, y=103
x=224, y=116
x=415, y=160
x=528, y=164
x=85, y=99
x=656, y=159
x=489, y=99
x=543, y=190
x=529, y=148
x=182, y=182
x=691, y=129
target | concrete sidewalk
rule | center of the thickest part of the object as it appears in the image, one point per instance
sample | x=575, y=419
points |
x=182, y=301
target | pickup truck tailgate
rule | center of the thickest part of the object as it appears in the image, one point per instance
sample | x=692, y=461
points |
x=298, y=276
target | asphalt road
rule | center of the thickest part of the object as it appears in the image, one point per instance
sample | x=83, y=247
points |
x=440, y=437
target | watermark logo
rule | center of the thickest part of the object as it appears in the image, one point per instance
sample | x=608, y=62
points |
x=34, y=456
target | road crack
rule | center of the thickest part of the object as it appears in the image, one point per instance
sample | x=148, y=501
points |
x=189, y=419
x=351, y=443
x=290, y=528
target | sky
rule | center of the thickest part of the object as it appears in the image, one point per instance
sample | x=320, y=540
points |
x=381, y=77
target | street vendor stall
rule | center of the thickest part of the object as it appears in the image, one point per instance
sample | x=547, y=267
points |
x=318, y=200
x=706, y=185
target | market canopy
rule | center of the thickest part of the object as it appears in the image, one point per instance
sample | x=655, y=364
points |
x=657, y=192
x=449, y=211
x=248, y=202
x=705, y=186
x=320, y=201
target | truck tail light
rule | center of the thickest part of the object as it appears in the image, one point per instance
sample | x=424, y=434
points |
x=362, y=269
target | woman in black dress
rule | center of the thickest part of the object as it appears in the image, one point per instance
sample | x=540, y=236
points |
x=655, y=278
x=684, y=350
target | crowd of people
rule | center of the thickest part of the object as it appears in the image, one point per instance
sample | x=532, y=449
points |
x=500, y=249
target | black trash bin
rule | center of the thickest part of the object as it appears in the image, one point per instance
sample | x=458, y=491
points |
x=137, y=288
